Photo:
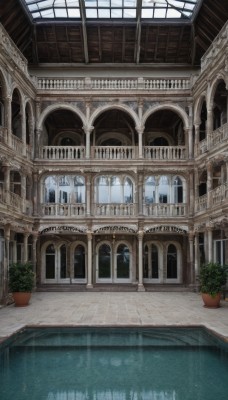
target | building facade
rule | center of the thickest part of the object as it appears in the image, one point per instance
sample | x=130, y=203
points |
x=113, y=176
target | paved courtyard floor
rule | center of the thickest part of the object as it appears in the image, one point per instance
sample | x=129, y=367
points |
x=114, y=308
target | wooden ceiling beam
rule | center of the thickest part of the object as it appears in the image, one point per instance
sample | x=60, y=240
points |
x=84, y=31
x=138, y=32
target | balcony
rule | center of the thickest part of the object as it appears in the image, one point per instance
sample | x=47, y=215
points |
x=117, y=209
x=63, y=210
x=219, y=194
x=165, y=210
x=201, y=203
x=167, y=153
x=130, y=84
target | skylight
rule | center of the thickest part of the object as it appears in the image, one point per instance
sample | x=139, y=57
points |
x=110, y=9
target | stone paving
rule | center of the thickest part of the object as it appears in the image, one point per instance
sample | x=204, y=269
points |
x=114, y=308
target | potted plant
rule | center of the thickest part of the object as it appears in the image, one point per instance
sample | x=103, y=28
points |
x=21, y=282
x=212, y=278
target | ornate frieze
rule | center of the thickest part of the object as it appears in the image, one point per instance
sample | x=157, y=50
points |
x=166, y=229
x=216, y=47
x=115, y=229
x=62, y=229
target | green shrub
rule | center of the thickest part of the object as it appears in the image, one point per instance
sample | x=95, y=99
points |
x=21, y=277
x=212, y=277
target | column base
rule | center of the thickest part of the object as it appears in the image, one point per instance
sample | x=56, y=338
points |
x=89, y=286
x=141, y=287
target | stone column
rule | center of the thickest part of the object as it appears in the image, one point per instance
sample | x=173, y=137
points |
x=210, y=244
x=209, y=127
x=23, y=129
x=196, y=149
x=25, y=258
x=140, y=262
x=34, y=254
x=140, y=131
x=9, y=120
x=140, y=194
x=196, y=174
x=196, y=256
x=191, y=193
x=6, y=261
x=35, y=194
x=6, y=183
x=37, y=143
x=190, y=143
x=209, y=184
x=88, y=131
x=191, y=256
x=88, y=195
x=89, y=256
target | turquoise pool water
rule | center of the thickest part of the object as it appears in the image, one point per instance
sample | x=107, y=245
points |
x=114, y=364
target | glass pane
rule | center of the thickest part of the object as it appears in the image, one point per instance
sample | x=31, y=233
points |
x=79, y=262
x=103, y=13
x=73, y=13
x=150, y=190
x=103, y=190
x=154, y=262
x=91, y=13
x=172, y=262
x=50, y=266
x=123, y=261
x=115, y=13
x=104, y=261
x=116, y=190
x=128, y=191
x=63, y=263
x=50, y=186
x=163, y=189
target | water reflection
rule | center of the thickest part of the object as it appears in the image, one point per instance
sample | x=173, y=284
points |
x=112, y=395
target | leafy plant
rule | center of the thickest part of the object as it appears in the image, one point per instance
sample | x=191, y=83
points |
x=212, y=277
x=21, y=277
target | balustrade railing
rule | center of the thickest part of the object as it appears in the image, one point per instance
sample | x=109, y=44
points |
x=3, y=134
x=202, y=146
x=165, y=210
x=113, y=84
x=201, y=203
x=62, y=152
x=165, y=152
x=15, y=201
x=219, y=194
x=114, y=152
x=115, y=209
x=63, y=210
x=17, y=144
x=219, y=135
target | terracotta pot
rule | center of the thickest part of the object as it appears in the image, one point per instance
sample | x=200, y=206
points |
x=21, y=299
x=211, y=302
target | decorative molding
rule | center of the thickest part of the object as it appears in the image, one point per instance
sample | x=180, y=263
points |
x=166, y=229
x=115, y=229
x=216, y=47
x=8, y=46
x=62, y=229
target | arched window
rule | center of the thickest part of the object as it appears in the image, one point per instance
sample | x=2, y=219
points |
x=163, y=190
x=64, y=189
x=178, y=190
x=104, y=261
x=154, y=262
x=64, y=273
x=146, y=262
x=50, y=262
x=15, y=182
x=79, y=262
x=150, y=186
x=151, y=262
x=50, y=189
x=172, y=262
x=123, y=262
x=114, y=189
x=79, y=185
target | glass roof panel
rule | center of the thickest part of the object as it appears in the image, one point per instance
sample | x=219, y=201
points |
x=95, y=9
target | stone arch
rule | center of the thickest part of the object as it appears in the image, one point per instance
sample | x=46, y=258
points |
x=121, y=107
x=6, y=88
x=213, y=87
x=21, y=94
x=59, y=106
x=198, y=106
x=167, y=106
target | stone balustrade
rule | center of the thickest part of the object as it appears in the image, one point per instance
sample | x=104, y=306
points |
x=165, y=210
x=218, y=136
x=17, y=144
x=63, y=210
x=219, y=194
x=203, y=146
x=116, y=209
x=62, y=152
x=3, y=134
x=201, y=203
x=113, y=84
x=165, y=152
x=15, y=201
x=114, y=152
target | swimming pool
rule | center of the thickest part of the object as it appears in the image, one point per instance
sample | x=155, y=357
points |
x=114, y=364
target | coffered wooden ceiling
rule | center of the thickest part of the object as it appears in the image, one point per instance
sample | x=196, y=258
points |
x=115, y=40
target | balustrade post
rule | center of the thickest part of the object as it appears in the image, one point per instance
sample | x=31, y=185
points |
x=140, y=262
x=37, y=143
x=88, y=131
x=89, y=256
x=209, y=127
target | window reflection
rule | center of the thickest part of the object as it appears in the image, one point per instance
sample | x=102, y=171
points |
x=114, y=189
x=64, y=189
